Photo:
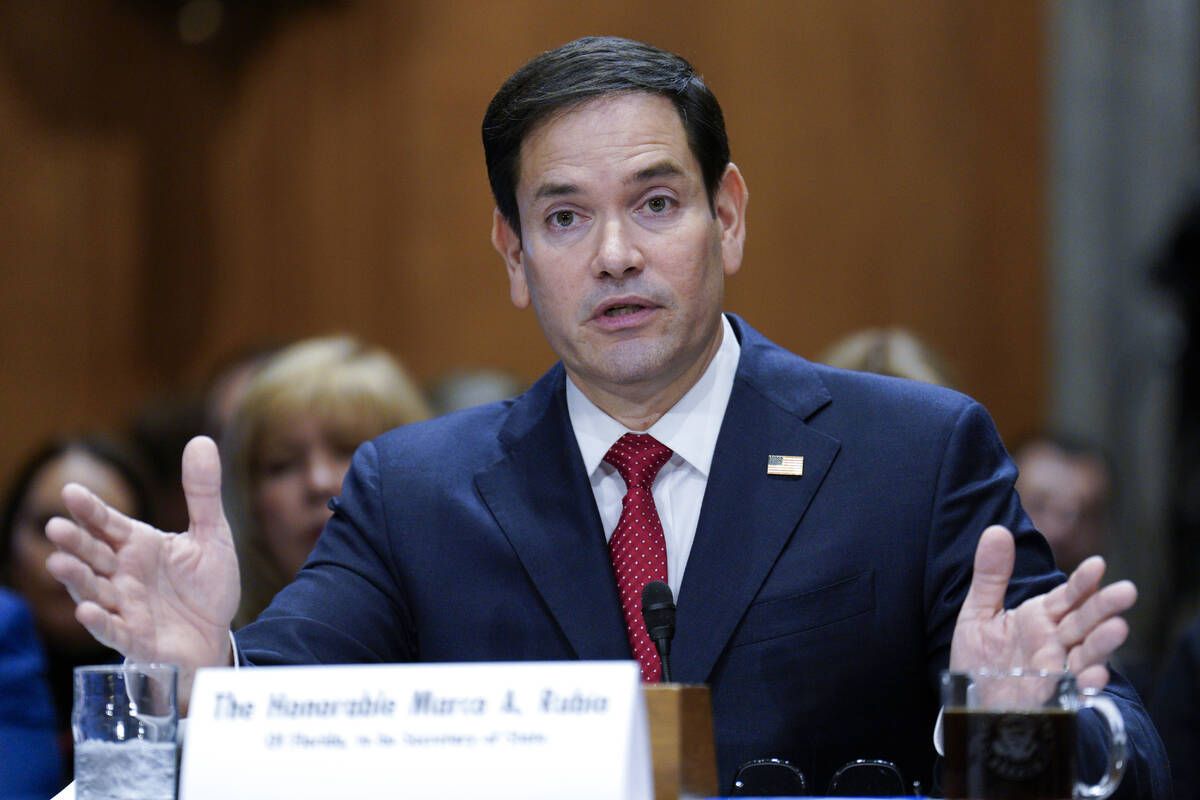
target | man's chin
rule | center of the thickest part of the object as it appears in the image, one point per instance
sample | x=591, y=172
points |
x=629, y=365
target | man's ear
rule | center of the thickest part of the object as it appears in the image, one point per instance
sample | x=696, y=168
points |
x=730, y=207
x=508, y=244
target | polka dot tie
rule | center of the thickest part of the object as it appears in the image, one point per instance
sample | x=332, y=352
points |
x=639, y=552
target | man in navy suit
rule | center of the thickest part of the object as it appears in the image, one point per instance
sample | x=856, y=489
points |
x=820, y=602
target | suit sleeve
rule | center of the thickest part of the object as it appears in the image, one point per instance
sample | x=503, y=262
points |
x=975, y=490
x=348, y=604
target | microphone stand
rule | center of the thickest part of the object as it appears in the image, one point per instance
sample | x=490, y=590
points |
x=663, y=646
x=658, y=611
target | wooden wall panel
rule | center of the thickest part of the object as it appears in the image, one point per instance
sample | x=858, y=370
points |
x=175, y=204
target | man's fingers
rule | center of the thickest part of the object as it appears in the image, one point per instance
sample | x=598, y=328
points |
x=994, y=557
x=95, y=516
x=69, y=537
x=104, y=626
x=72, y=573
x=82, y=583
x=1098, y=646
x=1102, y=605
x=202, y=487
x=1094, y=677
x=1081, y=585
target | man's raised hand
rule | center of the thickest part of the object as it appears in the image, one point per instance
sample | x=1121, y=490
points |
x=153, y=596
x=1075, y=625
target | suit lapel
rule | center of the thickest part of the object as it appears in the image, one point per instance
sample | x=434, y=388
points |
x=748, y=516
x=543, y=501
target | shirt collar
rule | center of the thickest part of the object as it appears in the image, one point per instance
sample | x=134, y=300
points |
x=689, y=428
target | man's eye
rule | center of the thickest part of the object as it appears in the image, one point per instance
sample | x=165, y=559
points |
x=563, y=219
x=657, y=204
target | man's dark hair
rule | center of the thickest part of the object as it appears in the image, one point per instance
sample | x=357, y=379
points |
x=583, y=70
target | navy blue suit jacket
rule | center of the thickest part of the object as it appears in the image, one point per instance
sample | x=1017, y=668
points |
x=819, y=608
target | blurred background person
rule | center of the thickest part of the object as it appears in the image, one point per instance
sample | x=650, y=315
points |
x=159, y=429
x=30, y=762
x=33, y=498
x=1065, y=485
x=1175, y=708
x=289, y=444
x=162, y=426
x=893, y=351
x=228, y=383
x=1177, y=270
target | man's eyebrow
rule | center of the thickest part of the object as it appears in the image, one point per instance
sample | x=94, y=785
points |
x=555, y=190
x=663, y=169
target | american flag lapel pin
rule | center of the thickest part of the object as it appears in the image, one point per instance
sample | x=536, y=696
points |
x=792, y=466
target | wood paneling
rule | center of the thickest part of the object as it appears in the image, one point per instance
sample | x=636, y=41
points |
x=162, y=205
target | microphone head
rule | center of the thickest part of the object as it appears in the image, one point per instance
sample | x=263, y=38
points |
x=658, y=609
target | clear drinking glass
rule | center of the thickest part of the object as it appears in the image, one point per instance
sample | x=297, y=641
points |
x=124, y=720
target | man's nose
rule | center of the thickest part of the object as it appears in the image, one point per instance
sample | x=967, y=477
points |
x=617, y=254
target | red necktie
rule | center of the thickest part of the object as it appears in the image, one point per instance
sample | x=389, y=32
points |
x=639, y=551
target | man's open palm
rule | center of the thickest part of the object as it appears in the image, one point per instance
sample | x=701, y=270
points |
x=151, y=595
x=1076, y=625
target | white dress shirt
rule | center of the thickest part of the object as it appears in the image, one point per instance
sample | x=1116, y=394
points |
x=689, y=428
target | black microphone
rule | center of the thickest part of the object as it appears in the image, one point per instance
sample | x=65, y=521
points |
x=658, y=609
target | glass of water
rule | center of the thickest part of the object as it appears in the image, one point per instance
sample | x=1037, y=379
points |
x=124, y=720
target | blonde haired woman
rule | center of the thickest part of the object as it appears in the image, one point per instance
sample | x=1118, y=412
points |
x=890, y=351
x=289, y=445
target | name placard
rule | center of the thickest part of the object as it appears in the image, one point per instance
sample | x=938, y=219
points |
x=521, y=730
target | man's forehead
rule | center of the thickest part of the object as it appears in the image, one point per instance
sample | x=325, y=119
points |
x=655, y=116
